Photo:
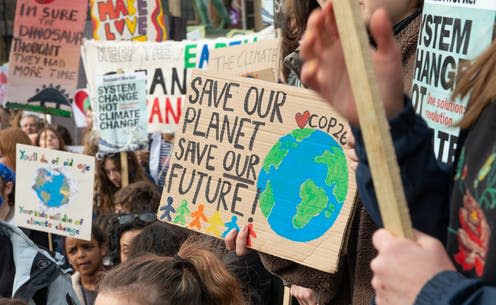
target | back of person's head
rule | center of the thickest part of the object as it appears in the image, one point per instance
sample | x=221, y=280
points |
x=9, y=137
x=193, y=277
x=159, y=238
x=137, y=197
x=7, y=301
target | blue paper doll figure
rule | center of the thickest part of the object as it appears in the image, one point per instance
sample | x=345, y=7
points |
x=168, y=209
x=233, y=224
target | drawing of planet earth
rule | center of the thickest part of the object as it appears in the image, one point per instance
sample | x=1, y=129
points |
x=51, y=187
x=303, y=184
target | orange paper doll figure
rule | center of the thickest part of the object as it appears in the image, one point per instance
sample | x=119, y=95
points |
x=251, y=233
x=197, y=216
x=215, y=224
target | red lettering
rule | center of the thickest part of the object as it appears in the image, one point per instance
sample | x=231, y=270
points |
x=155, y=111
x=170, y=110
x=108, y=33
x=106, y=10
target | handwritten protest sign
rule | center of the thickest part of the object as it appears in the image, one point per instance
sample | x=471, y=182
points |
x=120, y=112
x=55, y=191
x=247, y=59
x=265, y=155
x=4, y=72
x=44, y=58
x=140, y=20
x=167, y=65
x=451, y=34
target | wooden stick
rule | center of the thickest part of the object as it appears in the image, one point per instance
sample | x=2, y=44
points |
x=50, y=242
x=287, y=300
x=321, y=2
x=175, y=8
x=124, y=169
x=372, y=116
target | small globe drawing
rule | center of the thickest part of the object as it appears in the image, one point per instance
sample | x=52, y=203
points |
x=303, y=184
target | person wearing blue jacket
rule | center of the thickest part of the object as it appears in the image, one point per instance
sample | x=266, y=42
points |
x=452, y=259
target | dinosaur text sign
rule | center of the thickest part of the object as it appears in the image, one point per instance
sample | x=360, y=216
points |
x=264, y=155
x=44, y=58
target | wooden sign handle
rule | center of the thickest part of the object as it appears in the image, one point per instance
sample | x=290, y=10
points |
x=372, y=117
x=124, y=169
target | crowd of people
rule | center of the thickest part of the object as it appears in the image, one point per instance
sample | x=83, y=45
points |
x=132, y=258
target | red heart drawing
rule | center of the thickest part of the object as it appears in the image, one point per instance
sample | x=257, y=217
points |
x=302, y=119
x=119, y=25
x=79, y=98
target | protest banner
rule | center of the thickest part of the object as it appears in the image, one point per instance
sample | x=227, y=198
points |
x=4, y=72
x=265, y=155
x=141, y=20
x=452, y=32
x=167, y=65
x=55, y=191
x=247, y=59
x=120, y=112
x=44, y=58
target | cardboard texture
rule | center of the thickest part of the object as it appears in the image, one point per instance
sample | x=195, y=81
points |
x=44, y=58
x=56, y=191
x=251, y=60
x=451, y=34
x=128, y=20
x=167, y=64
x=120, y=112
x=265, y=155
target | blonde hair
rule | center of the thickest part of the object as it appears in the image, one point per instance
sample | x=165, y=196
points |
x=193, y=277
x=477, y=79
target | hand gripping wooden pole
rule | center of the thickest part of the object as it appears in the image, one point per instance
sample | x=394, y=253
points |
x=372, y=117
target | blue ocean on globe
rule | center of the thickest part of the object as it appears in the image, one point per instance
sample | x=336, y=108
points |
x=303, y=184
x=52, y=188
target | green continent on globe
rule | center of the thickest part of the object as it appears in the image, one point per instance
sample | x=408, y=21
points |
x=313, y=202
x=302, y=134
x=337, y=171
x=267, y=200
x=277, y=154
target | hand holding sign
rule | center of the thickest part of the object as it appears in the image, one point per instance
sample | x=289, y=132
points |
x=325, y=69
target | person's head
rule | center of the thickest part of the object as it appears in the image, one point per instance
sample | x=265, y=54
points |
x=7, y=192
x=7, y=301
x=49, y=138
x=137, y=197
x=30, y=123
x=110, y=180
x=64, y=134
x=159, y=238
x=86, y=257
x=397, y=9
x=193, y=277
x=8, y=139
x=122, y=229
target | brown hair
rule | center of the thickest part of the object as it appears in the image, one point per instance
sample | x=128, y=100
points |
x=57, y=134
x=138, y=197
x=8, y=139
x=106, y=189
x=193, y=277
x=7, y=301
x=477, y=79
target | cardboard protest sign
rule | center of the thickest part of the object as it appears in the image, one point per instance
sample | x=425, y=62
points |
x=128, y=20
x=55, y=191
x=265, y=155
x=247, y=59
x=44, y=58
x=4, y=72
x=120, y=112
x=167, y=64
x=451, y=34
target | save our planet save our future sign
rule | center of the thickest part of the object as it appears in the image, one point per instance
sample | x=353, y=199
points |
x=269, y=156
